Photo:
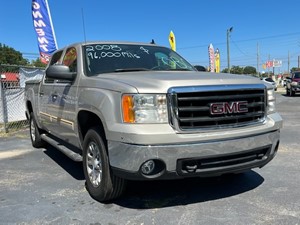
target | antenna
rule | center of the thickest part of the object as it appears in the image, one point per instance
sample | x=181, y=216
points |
x=83, y=25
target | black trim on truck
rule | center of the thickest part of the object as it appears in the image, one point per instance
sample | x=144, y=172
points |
x=223, y=163
x=217, y=107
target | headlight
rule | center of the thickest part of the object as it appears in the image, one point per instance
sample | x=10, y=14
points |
x=294, y=83
x=271, y=101
x=144, y=108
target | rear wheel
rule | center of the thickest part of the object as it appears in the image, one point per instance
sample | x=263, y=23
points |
x=35, y=133
x=101, y=183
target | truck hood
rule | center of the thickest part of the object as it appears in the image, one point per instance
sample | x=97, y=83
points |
x=161, y=81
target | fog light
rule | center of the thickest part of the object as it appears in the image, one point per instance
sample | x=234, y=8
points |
x=148, y=167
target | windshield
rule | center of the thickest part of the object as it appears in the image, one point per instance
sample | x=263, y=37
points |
x=297, y=75
x=269, y=79
x=108, y=58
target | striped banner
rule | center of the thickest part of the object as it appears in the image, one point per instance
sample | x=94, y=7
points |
x=44, y=29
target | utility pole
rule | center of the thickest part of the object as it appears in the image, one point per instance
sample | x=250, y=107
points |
x=289, y=61
x=257, y=69
x=268, y=66
x=298, y=61
x=228, y=51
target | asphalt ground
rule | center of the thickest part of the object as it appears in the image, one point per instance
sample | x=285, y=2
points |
x=43, y=186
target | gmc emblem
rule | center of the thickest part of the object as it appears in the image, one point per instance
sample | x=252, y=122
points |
x=220, y=108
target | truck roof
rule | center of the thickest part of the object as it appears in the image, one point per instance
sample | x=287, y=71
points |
x=111, y=42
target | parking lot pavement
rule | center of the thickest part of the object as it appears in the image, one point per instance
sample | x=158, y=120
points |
x=42, y=186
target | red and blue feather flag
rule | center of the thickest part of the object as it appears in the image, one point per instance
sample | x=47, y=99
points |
x=43, y=27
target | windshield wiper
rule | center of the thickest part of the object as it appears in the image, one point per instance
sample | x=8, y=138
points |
x=131, y=69
x=181, y=69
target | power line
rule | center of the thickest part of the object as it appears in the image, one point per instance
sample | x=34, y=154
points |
x=235, y=44
x=245, y=40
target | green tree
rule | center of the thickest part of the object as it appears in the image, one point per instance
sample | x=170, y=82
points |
x=38, y=63
x=236, y=70
x=295, y=69
x=249, y=70
x=225, y=70
x=267, y=74
x=10, y=56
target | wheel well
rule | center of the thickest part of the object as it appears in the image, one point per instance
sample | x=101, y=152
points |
x=86, y=120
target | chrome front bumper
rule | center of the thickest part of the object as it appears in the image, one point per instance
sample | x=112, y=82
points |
x=128, y=158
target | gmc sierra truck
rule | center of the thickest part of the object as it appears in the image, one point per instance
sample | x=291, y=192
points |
x=137, y=111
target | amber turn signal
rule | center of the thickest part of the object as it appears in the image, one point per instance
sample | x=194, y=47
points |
x=127, y=109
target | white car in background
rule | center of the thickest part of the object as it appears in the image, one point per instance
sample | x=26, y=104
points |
x=270, y=81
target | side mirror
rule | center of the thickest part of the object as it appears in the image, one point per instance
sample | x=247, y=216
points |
x=60, y=72
x=200, y=68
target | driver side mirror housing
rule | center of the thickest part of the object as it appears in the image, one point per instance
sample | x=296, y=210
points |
x=60, y=72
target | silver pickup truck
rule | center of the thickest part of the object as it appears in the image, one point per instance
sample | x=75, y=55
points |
x=136, y=111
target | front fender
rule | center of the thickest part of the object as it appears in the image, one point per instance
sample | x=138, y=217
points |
x=104, y=103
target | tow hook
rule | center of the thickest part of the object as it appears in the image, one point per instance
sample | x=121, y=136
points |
x=191, y=169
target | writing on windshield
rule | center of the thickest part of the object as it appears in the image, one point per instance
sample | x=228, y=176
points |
x=106, y=58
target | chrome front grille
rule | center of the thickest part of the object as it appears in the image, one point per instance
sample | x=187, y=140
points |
x=216, y=107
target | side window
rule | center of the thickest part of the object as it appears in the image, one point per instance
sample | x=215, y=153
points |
x=55, y=59
x=70, y=59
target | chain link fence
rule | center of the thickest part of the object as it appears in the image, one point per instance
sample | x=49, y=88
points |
x=12, y=89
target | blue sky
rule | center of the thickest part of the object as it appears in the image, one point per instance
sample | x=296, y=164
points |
x=272, y=25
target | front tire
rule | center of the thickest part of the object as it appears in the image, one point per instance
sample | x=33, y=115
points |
x=101, y=183
x=35, y=133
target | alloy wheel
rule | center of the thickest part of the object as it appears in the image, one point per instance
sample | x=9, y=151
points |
x=94, y=164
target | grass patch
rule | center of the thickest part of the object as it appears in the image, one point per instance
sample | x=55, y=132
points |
x=13, y=128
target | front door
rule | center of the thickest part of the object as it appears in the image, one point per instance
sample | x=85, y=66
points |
x=63, y=101
x=45, y=97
